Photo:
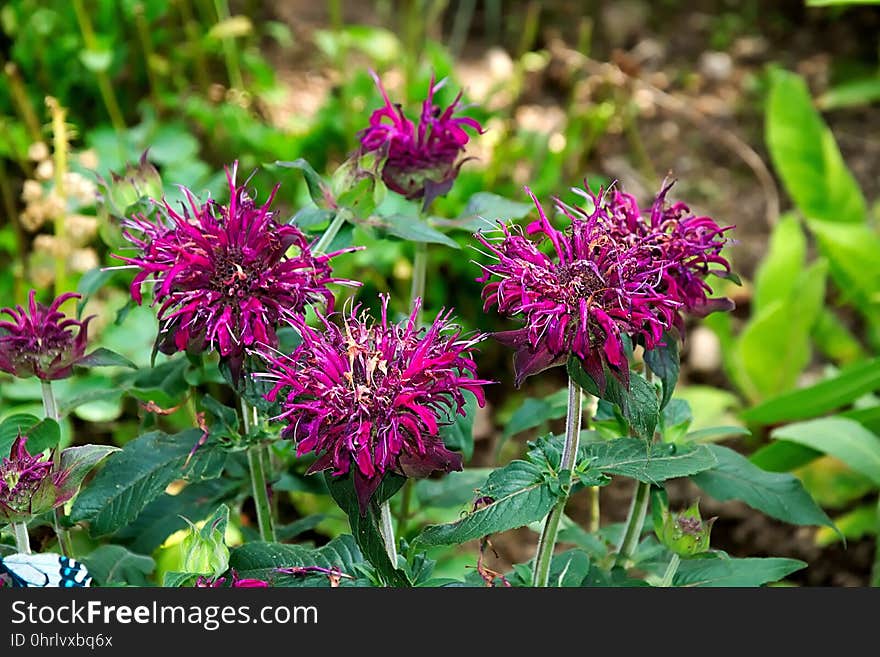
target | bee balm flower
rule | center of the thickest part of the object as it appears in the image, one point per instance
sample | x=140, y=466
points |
x=369, y=398
x=42, y=341
x=421, y=160
x=225, y=276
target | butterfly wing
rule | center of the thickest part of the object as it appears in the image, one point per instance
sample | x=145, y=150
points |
x=44, y=570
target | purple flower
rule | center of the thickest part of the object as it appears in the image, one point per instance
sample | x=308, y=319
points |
x=369, y=398
x=26, y=484
x=582, y=299
x=225, y=276
x=42, y=341
x=237, y=583
x=421, y=160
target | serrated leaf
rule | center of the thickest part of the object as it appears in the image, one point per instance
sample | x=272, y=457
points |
x=820, y=398
x=664, y=361
x=781, y=496
x=650, y=463
x=259, y=560
x=113, y=565
x=365, y=528
x=842, y=438
x=730, y=572
x=520, y=495
x=638, y=404
x=137, y=475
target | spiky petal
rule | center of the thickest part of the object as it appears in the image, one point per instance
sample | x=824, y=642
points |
x=370, y=397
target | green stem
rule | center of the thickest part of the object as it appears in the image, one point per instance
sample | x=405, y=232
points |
x=230, y=49
x=22, y=540
x=634, y=523
x=547, y=542
x=258, y=478
x=386, y=529
x=50, y=408
x=671, y=569
x=405, y=501
x=331, y=232
x=60, y=148
x=595, y=510
x=419, y=277
x=105, y=86
x=143, y=30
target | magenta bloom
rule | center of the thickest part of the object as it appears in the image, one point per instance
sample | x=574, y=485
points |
x=369, y=398
x=26, y=484
x=42, y=341
x=236, y=583
x=422, y=160
x=225, y=276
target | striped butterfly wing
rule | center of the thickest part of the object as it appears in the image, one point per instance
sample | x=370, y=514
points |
x=44, y=570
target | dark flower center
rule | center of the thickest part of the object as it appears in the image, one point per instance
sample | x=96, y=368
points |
x=578, y=281
x=690, y=525
x=230, y=277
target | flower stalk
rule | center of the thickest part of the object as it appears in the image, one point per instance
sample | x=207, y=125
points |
x=258, y=477
x=547, y=542
x=50, y=408
x=671, y=569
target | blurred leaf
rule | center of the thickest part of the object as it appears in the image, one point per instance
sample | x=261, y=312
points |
x=96, y=61
x=453, y=490
x=140, y=473
x=535, y=412
x=844, y=439
x=319, y=191
x=855, y=525
x=806, y=157
x=297, y=527
x=485, y=209
x=781, y=496
x=783, y=456
x=42, y=434
x=111, y=565
x=836, y=340
x=854, y=93
x=458, y=433
x=852, y=254
x=311, y=216
x=379, y=44
x=734, y=572
x=710, y=434
x=103, y=357
x=777, y=275
x=231, y=28
x=820, y=398
x=833, y=484
x=413, y=229
x=774, y=347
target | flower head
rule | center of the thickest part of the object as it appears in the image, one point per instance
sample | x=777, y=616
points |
x=582, y=298
x=370, y=397
x=31, y=484
x=41, y=340
x=422, y=159
x=225, y=276
x=611, y=274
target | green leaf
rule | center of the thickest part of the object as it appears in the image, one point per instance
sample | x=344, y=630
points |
x=639, y=405
x=715, y=433
x=853, y=93
x=777, y=275
x=664, y=361
x=458, y=434
x=96, y=61
x=734, y=572
x=102, y=357
x=452, y=490
x=780, y=335
x=413, y=229
x=319, y=191
x=569, y=569
x=137, y=475
x=231, y=28
x=297, y=527
x=175, y=580
x=365, y=528
x=820, y=398
x=783, y=456
x=806, y=157
x=650, y=463
x=781, y=496
x=311, y=216
x=260, y=560
x=77, y=462
x=844, y=439
x=852, y=250
x=854, y=525
x=42, y=434
x=484, y=209
x=836, y=340
x=535, y=412
x=204, y=549
x=520, y=494
x=113, y=565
